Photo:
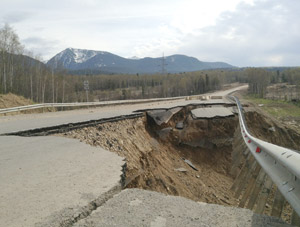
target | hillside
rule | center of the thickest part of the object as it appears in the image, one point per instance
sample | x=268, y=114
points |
x=81, y=61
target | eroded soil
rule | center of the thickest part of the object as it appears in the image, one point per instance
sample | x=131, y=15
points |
x=271, y=130
x=155, y=154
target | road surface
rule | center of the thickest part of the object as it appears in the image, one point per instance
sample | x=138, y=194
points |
x=135, y=207
x=41, y=176
x=23, y=122
x=44, y=180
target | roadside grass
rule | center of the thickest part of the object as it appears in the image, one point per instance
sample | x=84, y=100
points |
x=277, y=108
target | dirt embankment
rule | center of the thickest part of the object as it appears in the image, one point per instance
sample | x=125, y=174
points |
x=12, y=100
x=271, y=130
x=156, y=154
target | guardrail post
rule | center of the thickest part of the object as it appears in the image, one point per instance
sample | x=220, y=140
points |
x=295, y=219
x=250, y=186
x=246, y=178
x=259, y=183
x=264, y=196
x=242, y=173
x=277, y=204
x=238, y=161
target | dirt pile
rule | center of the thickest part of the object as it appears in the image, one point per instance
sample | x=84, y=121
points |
x=156, y=155
x=271, y=130
x=12, y=100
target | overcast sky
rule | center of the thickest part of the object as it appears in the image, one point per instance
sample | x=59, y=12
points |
x=239, y=32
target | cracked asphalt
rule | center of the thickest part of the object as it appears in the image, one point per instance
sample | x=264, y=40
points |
x=49, y=181
x=141, y=208
x=42, y=176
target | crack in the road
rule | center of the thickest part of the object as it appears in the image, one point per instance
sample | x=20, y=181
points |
x=69, y=216
x=192, y=104
x=69, y=126
x=45, y=131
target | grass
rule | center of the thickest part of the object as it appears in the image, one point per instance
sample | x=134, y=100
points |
x=277, y=108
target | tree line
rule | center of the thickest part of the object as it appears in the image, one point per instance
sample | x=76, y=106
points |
x=23, y=73
x=260, y=78
x=109, y=87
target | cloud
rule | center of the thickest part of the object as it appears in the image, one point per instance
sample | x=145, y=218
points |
x=39, y=46
x=240, y=32
x=254, y=33
x=15, y=17
x=263, y=33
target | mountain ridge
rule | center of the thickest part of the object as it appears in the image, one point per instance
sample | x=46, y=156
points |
x=74, y=59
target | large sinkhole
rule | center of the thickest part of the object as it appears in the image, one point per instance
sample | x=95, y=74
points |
x=189, y=151
x=175, y=153
x=185, y=151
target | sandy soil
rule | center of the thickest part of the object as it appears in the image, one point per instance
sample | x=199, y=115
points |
x=12, y=100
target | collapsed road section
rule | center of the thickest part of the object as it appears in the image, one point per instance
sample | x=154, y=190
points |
x=185, y=151
x=173, y=151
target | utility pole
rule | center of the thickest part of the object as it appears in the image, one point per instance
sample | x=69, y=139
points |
x=163, y=65
x=86, y=88
x=53, y=89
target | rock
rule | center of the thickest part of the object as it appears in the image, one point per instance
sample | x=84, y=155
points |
x=183, y=170
x=163, y=116
x=164, y=133
x=272, y=129
x=179, y=125
x=189, y=163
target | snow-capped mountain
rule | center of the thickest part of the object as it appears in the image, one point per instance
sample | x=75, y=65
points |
x=71, y=57
x=105, y=62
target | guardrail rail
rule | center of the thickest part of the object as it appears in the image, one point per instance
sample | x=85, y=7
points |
x=83, y=104
x=281, y=164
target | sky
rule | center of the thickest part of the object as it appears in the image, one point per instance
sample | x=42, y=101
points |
x=239, y=32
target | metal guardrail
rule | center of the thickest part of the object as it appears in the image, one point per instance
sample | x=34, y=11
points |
x=103, y=103
x=83, y=104
x=281, y=164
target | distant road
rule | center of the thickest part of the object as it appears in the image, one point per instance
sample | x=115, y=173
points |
x=23, y=122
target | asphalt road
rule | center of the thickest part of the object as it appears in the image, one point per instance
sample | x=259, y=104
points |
x=140, y=208
x=9, y=124
x=41, y=177
x=48, y=180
